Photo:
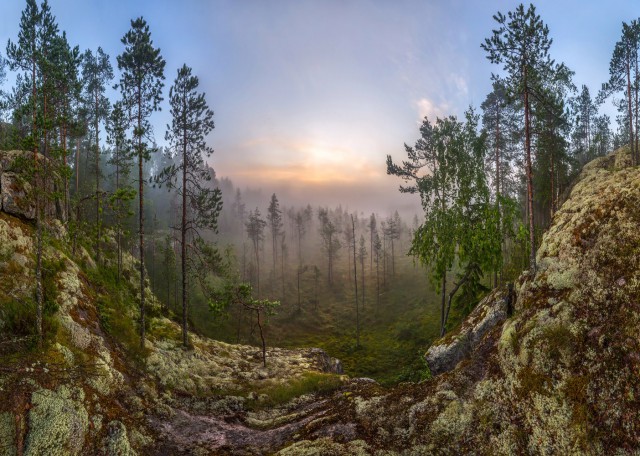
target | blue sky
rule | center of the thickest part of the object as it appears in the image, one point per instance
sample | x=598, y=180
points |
x=310, y=96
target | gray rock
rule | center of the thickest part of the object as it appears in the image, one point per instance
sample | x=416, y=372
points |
x=16, y=187
x=17, y=198
x=446, y=353
x=10, y=160
x=326, y=362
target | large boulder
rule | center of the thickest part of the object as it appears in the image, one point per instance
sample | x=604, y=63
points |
x=447, y=352
x=17, y=195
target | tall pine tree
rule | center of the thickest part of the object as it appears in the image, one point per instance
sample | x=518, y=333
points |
x=141, y=84
x=191, y=122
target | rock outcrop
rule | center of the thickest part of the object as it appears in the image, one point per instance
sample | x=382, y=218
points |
x=446, y=353
x=17, y=196
x=558, y=377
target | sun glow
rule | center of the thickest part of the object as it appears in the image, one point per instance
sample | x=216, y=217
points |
x=306, y=162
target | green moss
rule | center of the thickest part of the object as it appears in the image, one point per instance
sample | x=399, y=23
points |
x=58, y=423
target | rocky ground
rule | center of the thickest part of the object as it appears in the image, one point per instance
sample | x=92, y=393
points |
x=558, y=376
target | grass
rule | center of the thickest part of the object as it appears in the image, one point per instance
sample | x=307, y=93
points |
x=279, y=394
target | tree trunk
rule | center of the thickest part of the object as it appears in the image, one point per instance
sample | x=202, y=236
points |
x=77, y=164
x=529, y=171
x=631, y=139
x=553, y=209
x=97, y=181
x=362, y=272
x=377, y=281
x=141, y=218
x=497, y=147
x=183, y=235
x=355, y=280
x=442, y=304
x=393, y=260
x=264, y=343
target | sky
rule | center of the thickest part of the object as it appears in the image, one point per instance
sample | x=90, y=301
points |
x=310, y=96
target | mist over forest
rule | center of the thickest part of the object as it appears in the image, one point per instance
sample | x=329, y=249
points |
x=261, y=249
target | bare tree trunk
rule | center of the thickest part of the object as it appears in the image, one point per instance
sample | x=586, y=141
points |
x=264, y=343
x=183, y=235
x=98, y=227
x=631, y=138
x=529, y=171
x=553, y=209
x=497, y=147
x=77, y=164
x=355, y=280
x=141, y=222
x=362, y=272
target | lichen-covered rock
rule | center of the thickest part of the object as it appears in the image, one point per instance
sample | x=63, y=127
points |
x=116, y=442
x=16, y=186
x=7, y=434
x=558, y=377
x=325, y=447
x=58, y=422
x=211, y=366
x=17, y=196
x=446, y=353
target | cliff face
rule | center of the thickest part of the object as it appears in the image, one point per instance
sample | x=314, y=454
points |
x=561, y=376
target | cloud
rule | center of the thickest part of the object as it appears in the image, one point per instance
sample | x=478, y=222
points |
x=460, y=84
x=431, y=110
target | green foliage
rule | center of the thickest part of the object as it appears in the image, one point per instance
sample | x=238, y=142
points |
x=446, y=167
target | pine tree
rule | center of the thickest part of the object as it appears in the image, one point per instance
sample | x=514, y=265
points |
x=330, y=242
x=372, y=232
x=624, y=61
x=32, y=54
x=302, y=220
x=141, y=85
x=121, y=159
x=585, y=112
x=362, y=254
x=97, y=72
x=355, y=281
x=191, y=122
x=255, y=230
x=274, y=219
x=377, y=250
x=521, y=43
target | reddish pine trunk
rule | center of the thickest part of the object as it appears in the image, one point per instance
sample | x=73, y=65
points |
x=185, y=336
x=141, y=219
x=631, y=141
x=529, y=171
